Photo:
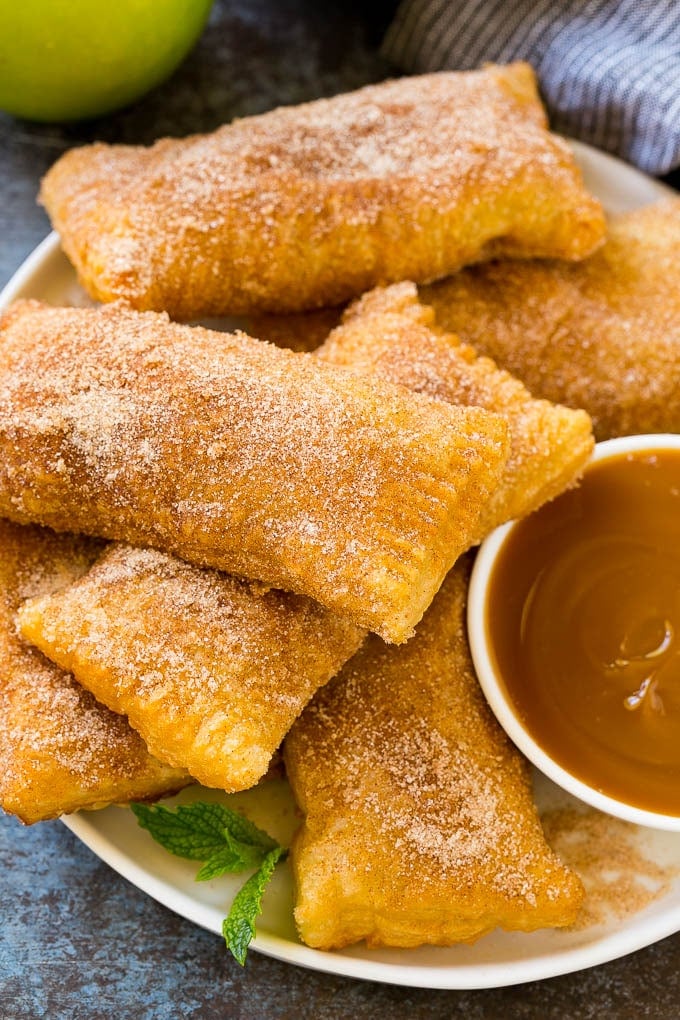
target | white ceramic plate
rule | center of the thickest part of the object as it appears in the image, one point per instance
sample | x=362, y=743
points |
x=496, y=960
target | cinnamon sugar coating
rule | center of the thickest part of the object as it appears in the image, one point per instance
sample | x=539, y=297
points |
x=60, y=750
x=311, y=205
x=603, y=335
x=239, y=455
x=210, y=670
x=419, y=821
x=390, y=334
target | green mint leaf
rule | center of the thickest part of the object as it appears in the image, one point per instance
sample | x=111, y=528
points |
x=227, y=842
x=240, y=829
x=198, y=831
x=238, y=927
x=193, y=831
x=232, y=858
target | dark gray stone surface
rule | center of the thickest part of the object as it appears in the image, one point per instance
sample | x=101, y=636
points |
x=76, y=940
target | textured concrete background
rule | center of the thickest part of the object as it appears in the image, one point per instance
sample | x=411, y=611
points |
x=77, y=941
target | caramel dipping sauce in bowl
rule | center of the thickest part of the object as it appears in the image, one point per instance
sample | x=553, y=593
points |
x=574, y=626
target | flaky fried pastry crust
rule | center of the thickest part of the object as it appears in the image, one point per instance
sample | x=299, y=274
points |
x=419, y=822
x=311, y=205
x=210, y=670
x=603, y=335
x=60, y=750
x=239, y=455
x=390, y=334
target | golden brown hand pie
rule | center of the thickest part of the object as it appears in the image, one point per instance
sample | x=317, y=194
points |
x=311, y=205
x=210, y=670
x=603, y=335
x=60, y=750
x=240, y=455
x=419, y=822
x=388, y=333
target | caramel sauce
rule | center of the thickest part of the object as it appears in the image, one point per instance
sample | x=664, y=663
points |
x=584, y=625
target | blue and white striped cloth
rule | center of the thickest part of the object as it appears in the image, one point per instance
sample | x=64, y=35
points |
x=609, y=70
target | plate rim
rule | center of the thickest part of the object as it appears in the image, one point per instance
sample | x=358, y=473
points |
x=465, y=977
x=481, y=975
x=33, y=262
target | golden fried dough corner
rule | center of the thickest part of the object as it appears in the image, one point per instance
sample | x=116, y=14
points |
x=242, y=456
x=60, y=750
x=603, y=335
x=419, y=822
x=390, y=334
x=211, y=671
x=311, y=205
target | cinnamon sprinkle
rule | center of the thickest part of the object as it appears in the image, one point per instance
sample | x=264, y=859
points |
x=619, y=879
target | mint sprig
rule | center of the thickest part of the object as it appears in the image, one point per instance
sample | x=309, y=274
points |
x=228, y=843
x=238, y=927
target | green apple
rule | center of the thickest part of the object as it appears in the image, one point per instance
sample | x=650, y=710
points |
x=71, y=59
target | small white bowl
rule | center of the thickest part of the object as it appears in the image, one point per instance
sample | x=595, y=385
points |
x=493, y=686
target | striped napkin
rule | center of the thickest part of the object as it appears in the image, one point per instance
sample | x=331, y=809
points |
x=609, y=70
